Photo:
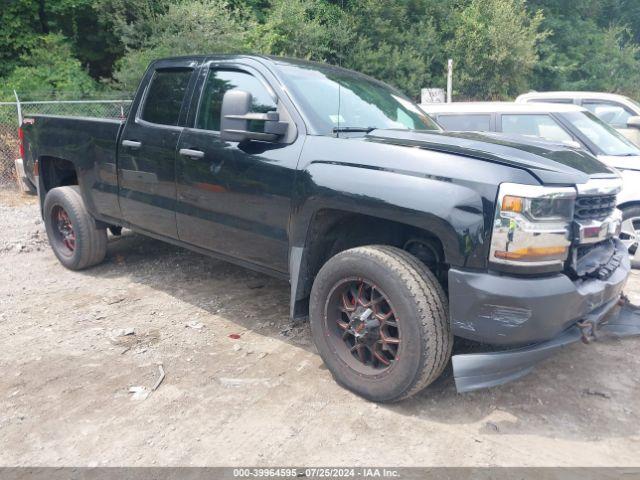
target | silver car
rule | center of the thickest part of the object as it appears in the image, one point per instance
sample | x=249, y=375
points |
x=559, y=123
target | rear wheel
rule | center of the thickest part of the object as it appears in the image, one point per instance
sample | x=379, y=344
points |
x=73, y=235
x=379, y=320
x=630, y=234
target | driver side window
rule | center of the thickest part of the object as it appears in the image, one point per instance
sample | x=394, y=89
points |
x=220, y=82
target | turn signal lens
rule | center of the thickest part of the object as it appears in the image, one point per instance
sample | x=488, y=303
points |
x=540, y=253
x=512, y=204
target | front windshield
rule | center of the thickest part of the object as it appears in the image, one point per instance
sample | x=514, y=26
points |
x=604, y=137
x=337, y=99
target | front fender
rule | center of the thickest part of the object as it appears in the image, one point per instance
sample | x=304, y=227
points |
x=454, y=213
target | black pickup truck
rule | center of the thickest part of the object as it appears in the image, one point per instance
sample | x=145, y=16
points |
x=395, y=236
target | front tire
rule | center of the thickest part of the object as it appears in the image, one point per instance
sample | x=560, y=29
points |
x=73, y=235
x=630, y=234
x=379, y=320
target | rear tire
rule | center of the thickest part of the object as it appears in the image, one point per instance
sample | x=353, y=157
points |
x=631, y=228
x=379, y=361
x=73, y=235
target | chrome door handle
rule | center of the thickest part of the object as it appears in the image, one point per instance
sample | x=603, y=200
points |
x=187, y=152
x=131, y=144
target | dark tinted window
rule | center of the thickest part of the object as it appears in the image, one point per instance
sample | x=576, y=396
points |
x=466, y=123
x=221, y=81
x=165, y=96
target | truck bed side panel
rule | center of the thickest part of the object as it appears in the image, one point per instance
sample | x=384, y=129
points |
x=91, y=145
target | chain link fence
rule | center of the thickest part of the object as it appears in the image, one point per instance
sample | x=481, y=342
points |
x=10, y=113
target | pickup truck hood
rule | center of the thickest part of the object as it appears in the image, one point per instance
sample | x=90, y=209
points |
x=550, y=163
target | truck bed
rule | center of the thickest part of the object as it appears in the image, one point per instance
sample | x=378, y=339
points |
x=90, y=143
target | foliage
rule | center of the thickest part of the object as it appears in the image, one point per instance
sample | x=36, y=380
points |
x=310, y=29
x=398, y=42
x=494, y=44
x=51, y=70
x=195, y=26
x=500, y=48
x=23, y=22
x=586, y=51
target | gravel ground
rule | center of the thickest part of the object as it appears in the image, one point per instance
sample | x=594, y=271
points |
x=75, y=343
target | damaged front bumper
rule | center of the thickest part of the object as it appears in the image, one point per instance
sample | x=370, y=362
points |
x=483, y=370
x=533, y=317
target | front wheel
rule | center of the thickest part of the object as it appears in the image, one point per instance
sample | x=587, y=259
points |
x=379, y=320
x=630, y=234
x=73, y=234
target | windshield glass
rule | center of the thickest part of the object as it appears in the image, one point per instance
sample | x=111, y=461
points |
x=340, y=99
x=604, y=137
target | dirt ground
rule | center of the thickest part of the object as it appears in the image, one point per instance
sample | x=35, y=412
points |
x=75, y=343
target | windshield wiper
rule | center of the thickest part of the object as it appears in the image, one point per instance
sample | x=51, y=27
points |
x=353, y=129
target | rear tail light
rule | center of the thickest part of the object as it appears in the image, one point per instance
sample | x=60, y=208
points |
x=21, y=144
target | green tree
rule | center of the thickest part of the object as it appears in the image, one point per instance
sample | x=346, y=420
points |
x=611, y=64
x=23, y=22
x=399, y=42
x=591, y=46
x=49, y=70
x=186, y=28
x=309, y=29
x=19, y=30
x=495, y=46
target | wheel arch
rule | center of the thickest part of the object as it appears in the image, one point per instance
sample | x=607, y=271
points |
x=56, y=172
x=630, y=203
x=331, y=231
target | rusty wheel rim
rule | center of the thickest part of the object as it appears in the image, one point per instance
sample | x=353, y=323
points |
x=362, y=325
x=63, y=230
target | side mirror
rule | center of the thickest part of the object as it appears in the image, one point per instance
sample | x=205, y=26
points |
x=236, y=116
x=634, y=122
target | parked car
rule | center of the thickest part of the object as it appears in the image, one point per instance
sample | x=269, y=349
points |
x=622, y=113
x=568, y=124
x=395, y=236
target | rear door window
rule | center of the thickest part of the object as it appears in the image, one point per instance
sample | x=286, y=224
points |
x=534, y=125
x=164, y=98
x=466, y=123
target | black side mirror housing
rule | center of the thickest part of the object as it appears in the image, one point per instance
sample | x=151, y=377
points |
x=236, y=115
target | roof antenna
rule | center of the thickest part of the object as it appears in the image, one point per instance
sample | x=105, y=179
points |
x=340, y=65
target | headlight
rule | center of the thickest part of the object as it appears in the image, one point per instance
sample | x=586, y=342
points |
x=532, y=225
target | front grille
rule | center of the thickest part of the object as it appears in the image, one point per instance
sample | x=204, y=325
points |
x=594, y=207
x=599, y=260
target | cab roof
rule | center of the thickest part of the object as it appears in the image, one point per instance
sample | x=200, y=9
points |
x=571, y=95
